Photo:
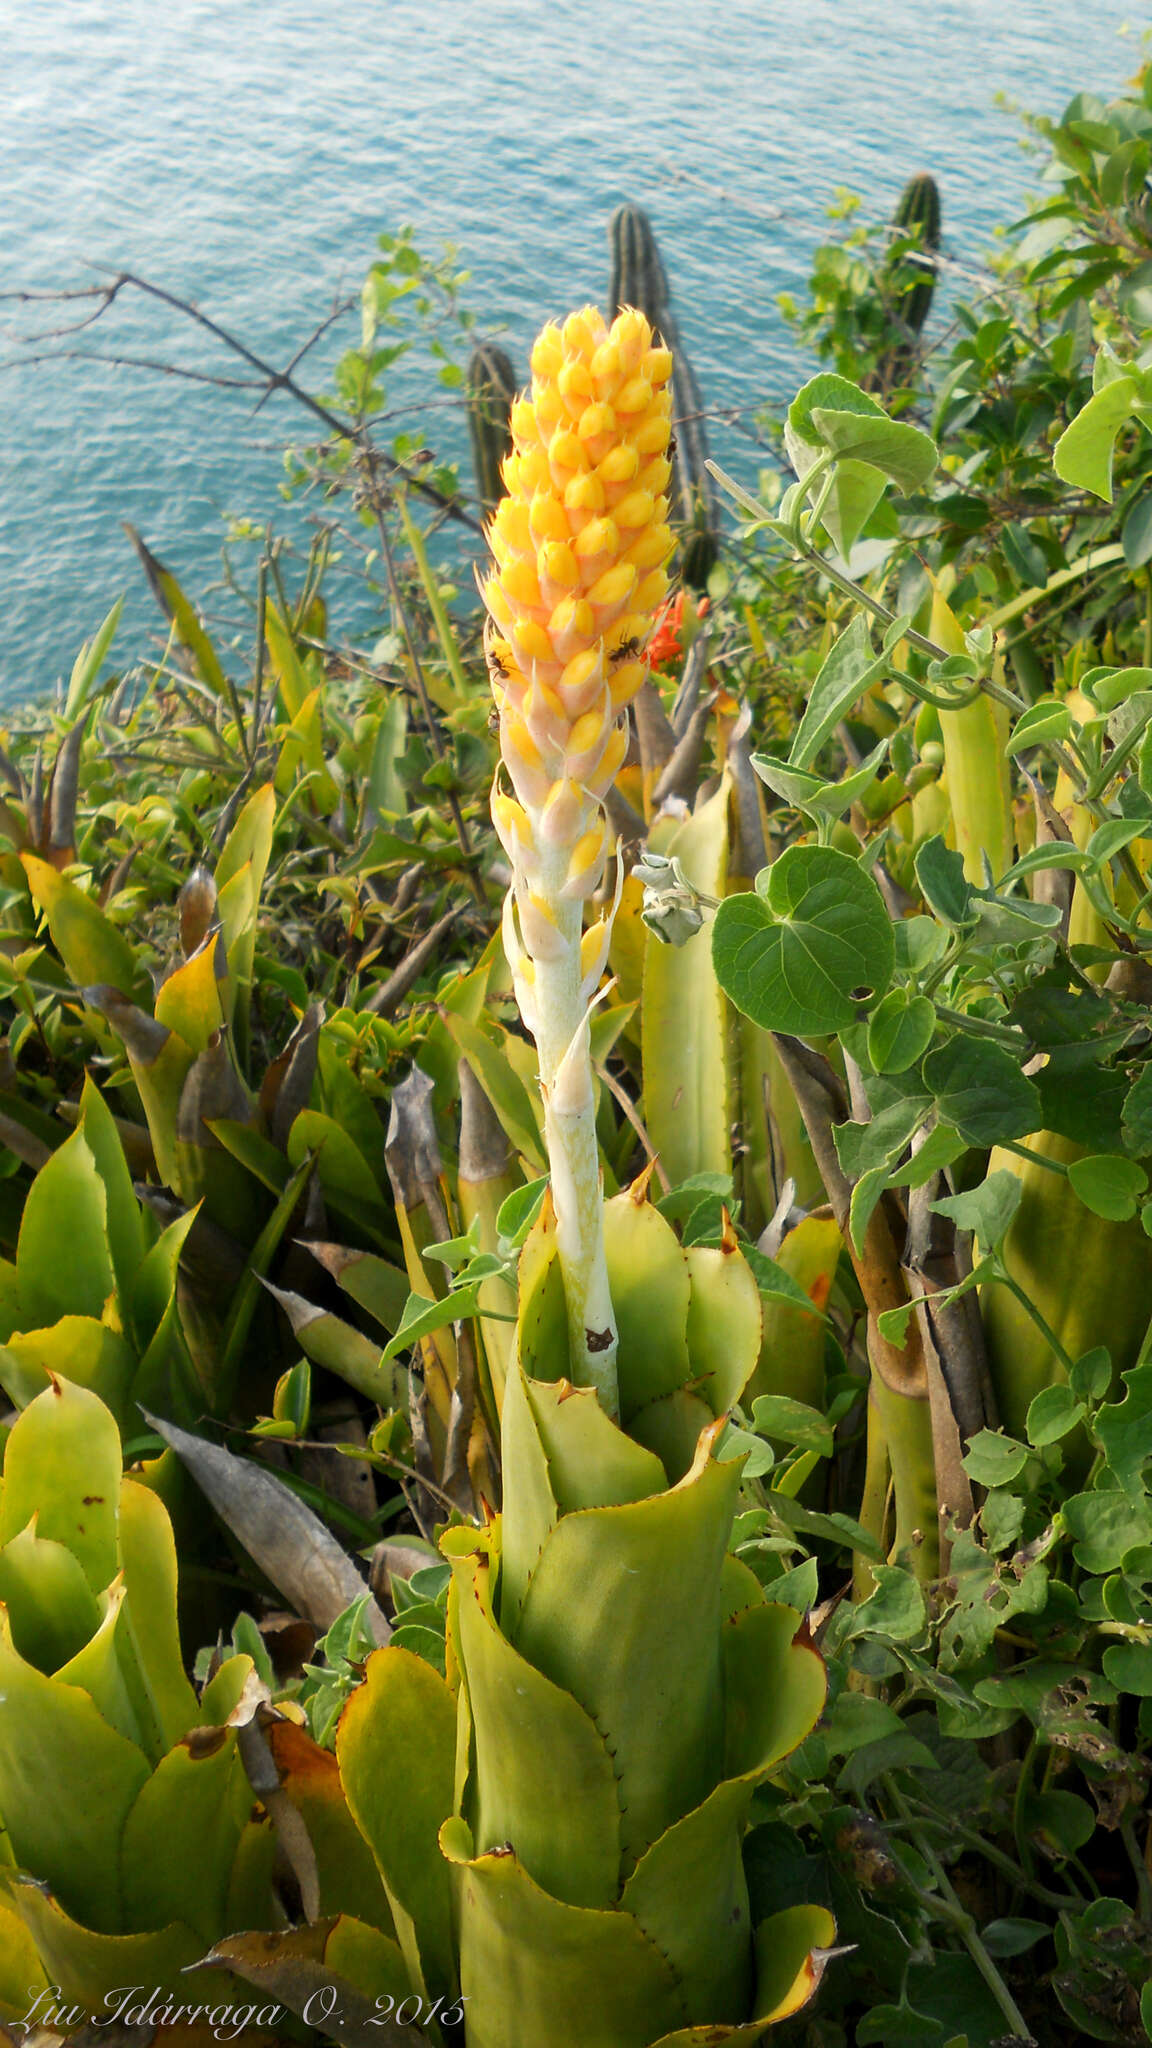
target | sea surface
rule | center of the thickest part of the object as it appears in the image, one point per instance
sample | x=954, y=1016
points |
x=247, y=157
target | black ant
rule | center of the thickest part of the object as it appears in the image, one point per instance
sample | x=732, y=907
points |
x=627, y=651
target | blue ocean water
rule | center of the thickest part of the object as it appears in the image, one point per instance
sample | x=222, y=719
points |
x=248, y=157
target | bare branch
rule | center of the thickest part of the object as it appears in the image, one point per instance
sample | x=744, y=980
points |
x=268, y=380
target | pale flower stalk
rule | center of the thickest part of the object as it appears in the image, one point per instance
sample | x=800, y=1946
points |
x=580, y=544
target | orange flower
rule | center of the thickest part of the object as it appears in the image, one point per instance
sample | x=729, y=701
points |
x=666, y=645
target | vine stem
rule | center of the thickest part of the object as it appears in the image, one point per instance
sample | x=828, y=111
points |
x=1004, y=1279
x=949, y=1908
x=1023, y=1882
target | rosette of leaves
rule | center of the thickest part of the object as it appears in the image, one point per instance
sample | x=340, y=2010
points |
x=617, y=1689
x=142, y=1826
x=129, y=1838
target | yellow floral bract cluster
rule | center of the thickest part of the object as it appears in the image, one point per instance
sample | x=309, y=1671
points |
x=580, y=544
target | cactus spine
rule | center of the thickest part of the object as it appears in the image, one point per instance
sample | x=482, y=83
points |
x=639, y=279
x=491, y=394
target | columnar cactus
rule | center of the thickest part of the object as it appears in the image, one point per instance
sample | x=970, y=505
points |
x=580, y=543
x=640, y=279
x=491, y=392
x=917, y=217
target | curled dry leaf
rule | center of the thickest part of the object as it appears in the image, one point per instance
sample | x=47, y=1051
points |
x=291, y=1968
x=288, y=1542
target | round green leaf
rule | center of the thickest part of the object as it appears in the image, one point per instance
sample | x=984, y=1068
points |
x=900, y=1029
x=1108, y=1185
x=1050, y=719
x=1052, y=1414
x=814, y=940
x=994, y=1460
x=1129, y=1666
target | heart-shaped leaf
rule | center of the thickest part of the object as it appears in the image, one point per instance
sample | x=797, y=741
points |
x=800, y=953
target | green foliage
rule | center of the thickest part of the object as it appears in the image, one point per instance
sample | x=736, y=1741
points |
x=124, y=1832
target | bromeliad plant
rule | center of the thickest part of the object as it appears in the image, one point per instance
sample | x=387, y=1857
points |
x=558, y=1821
x=144, y=1828
x=666, y=1721
x=129, y=1843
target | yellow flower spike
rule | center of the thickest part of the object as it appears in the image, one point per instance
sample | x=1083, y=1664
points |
x=576, y=388
x=533, y=471
x=587, y=732
x=525, y=764
x=651, y=547
x=581, y=331
x=507, y=529
x=522, y=422
x=545, y=716
x=637, y=508
x=497, y=604
x=650, y=437
x=633, y=338
x=580, y=554
x=606, y=367
x=600, y=536
x=593, y=949
x=583, y=673
x=650, y=594
x=529, y=639
x=597, y=422
x=656, y=475
x=549, y=407
x=511, y=822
